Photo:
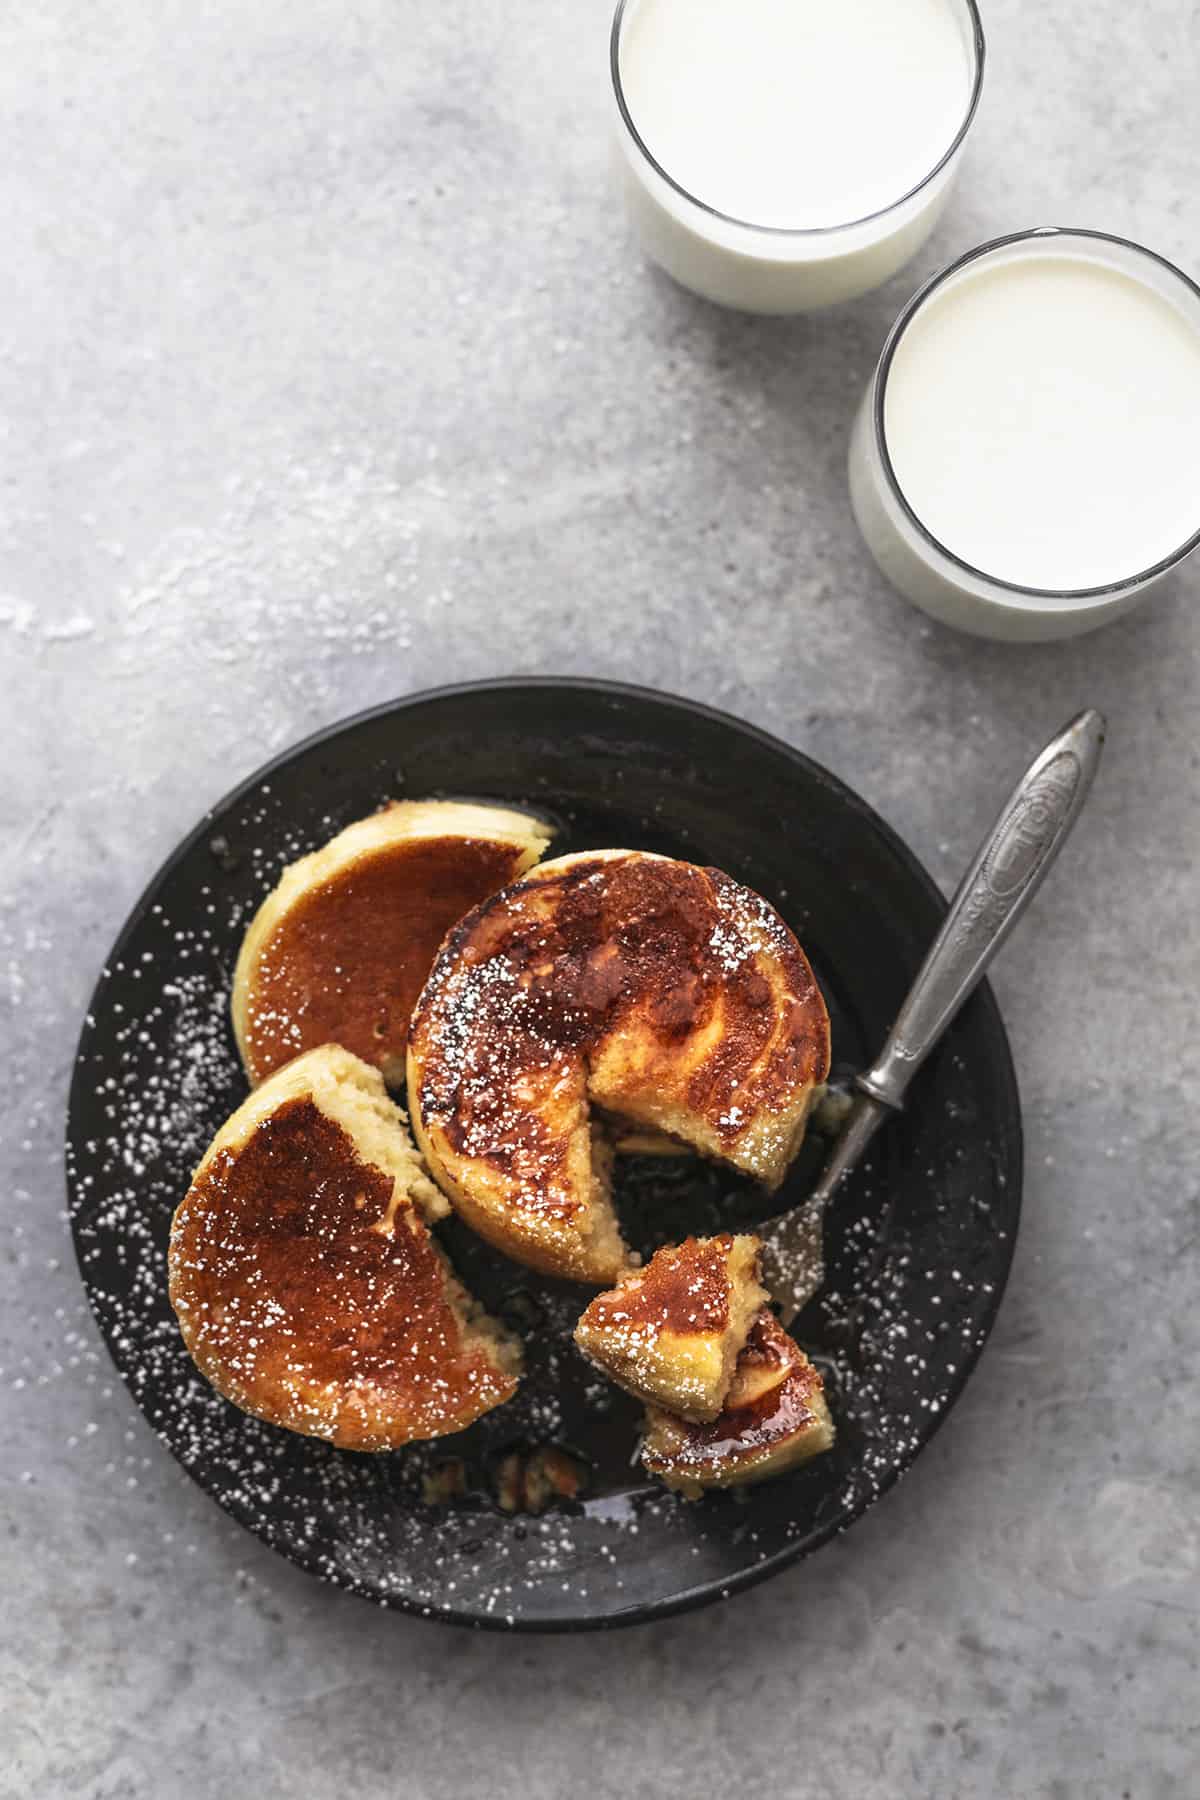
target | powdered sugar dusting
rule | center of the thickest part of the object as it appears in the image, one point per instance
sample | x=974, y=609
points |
x=158, y=1073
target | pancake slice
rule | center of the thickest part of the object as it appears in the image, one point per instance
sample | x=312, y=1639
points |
x=652, y=990
x=774, y=1419
x=672, y=1333
x=308, y=1287
x=338, y=951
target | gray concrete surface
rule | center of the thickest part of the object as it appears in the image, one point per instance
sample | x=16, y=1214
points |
x=327, y=373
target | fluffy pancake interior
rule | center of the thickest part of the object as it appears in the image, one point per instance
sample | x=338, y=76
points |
x=672, y=1333
x=774, y=1418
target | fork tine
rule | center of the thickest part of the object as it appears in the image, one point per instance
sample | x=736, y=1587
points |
x=793, y=1244
x=793, y=1257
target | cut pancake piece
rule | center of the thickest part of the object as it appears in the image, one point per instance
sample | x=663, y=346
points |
x=308, y=1287
x=660, y=992
x=774, y=1419
x=671, y=1333
x=338, y=951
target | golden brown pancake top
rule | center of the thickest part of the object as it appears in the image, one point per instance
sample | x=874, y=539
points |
x=685, y=1290
x=346, y=963
x=778, y=1414
x=304, y=1302
x=535, y=979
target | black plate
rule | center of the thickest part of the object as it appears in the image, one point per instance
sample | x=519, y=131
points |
x=920, y=1242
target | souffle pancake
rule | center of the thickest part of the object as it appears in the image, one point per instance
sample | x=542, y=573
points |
x=671, y=1333
x=774, y=1419
x=338, y=951
x=308, y=1287
x=613, y=982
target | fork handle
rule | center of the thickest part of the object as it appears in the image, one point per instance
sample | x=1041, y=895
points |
x=1012, y=862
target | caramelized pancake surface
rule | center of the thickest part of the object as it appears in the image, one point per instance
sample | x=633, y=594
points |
x=307, y=1285
x=660, y=991
x=671, y=1333
x=339, y=950
x=774, y=1419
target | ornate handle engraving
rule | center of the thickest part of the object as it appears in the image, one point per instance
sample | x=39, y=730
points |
x=1027, y=834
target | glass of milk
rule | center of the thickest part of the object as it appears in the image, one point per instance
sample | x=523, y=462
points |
x=781, y=155
x=1026, y=461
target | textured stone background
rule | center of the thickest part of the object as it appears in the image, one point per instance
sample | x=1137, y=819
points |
x=326, y=373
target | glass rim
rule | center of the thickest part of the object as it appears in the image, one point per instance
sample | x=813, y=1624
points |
x=1040, y=233
x=979, y=57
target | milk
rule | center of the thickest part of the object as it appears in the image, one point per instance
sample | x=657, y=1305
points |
x=783, y=154
x=1040, y=413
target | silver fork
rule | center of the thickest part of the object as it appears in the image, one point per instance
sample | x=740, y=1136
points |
x=1013, y=861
